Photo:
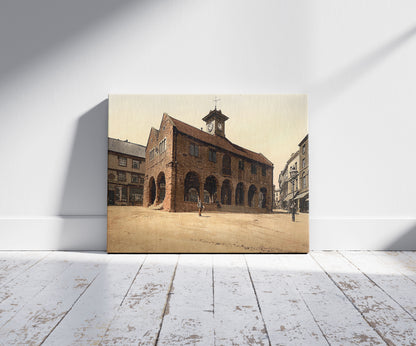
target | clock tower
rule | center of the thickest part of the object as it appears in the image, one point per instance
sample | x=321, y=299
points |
x=215, y=121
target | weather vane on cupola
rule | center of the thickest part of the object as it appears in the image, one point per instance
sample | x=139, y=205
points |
x=216, y=101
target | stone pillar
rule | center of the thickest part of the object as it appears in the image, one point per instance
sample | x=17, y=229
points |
x=201, y=190
x=156, y=193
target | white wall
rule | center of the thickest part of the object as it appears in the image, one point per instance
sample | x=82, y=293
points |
x=60, y=59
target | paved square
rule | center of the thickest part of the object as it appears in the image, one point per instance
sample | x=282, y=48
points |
x=141, y=230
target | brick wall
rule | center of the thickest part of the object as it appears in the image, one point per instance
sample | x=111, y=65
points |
x=205, y=168
x=175, y=164
x=160, y=164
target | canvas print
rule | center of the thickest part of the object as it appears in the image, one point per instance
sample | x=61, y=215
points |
x=208, y=174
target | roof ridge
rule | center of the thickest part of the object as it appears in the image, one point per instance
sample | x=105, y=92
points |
x=216, y=141
x=174, y=119
x=128, y=142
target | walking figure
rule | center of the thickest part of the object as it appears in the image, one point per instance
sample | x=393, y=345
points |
x=293, y=210
x=200, y=206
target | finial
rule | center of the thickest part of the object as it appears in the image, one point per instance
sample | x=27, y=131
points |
x=215, y=101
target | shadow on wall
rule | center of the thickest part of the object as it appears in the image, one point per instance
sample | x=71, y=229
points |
x=407, y=242
x=25, y=27
x=329, y=89
x=83, y=204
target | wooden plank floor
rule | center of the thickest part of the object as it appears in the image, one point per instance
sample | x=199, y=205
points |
x=91, y=298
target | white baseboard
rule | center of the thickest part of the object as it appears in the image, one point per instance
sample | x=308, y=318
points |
x=90, y=233
x=362, y=234
x=54, y=233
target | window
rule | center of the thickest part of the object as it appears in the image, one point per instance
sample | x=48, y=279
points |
x=303, y=163
x=253, y=168
x=111, y=176
x=241, y=165
x=141, y=180
x=162, y=146
x=193, y=150
x=122, y=161
x=263, y=171
x=134, y=178
x=303, y=180
x=152, y=154
x=212, y=155
x=136, y=164
x=121, y=176
x=226, y=165
x=121, y=193
x=135, y=196
x=303, y=149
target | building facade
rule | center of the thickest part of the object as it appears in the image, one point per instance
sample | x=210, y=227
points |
x=288, y=187
x=126, y=170
x=303, y=195
x=184, y=163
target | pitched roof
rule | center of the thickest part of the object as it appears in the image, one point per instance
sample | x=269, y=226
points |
x=128, y=148
x=218, y=141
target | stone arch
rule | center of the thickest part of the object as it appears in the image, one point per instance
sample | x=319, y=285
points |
x=210, y=189
x=226, y=191
x=161, y=187
x=191, y=187
x=262, y=197
x=251, y=192
x=239, y=194
x=226, y=164
x=152, y=190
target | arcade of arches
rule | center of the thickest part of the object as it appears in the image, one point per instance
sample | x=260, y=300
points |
x=215, y=192
x=157, y=190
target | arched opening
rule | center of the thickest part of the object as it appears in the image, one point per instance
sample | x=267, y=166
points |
x=226, y=165
x=161, y=187
x=226, y=192
x=207, y=198
x=239, y=194
x=262, y=197
x=251, y=192
x=210, y=189
x=191, y=191
x=152, y=191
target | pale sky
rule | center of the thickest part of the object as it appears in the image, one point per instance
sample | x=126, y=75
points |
x=269, y=124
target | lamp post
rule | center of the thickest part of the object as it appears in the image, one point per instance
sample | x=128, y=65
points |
x=293, y=175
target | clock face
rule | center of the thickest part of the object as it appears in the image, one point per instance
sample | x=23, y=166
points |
x=219, y=126
x=210, y=126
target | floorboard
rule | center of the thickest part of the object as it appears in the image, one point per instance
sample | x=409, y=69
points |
x=287, y=317
x=189, y=315
x=15, y=294
x=386, y=276
x=88, y=320
x=12, y=264
x=38, y=317
x=237, y=316
x=394, y=325
x=327, y=297
x=139, y=317
x=338, y=319
x=403, y=262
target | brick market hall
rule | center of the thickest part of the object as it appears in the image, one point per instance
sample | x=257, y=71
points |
x=184, y=163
